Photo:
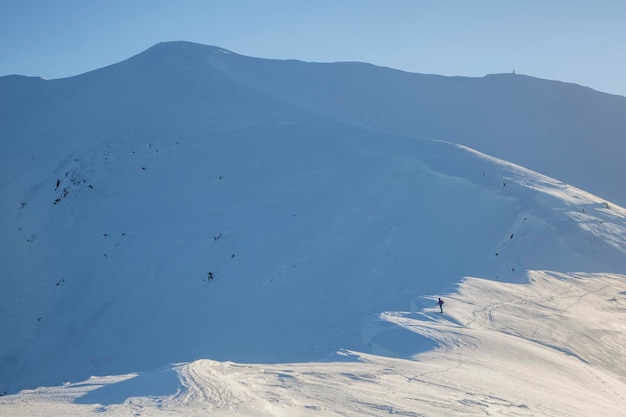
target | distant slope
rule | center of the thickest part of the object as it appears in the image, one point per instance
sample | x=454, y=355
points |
x=566, y=131
x=563, y=130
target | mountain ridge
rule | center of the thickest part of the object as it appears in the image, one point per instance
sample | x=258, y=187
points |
x=518, y=118
x=325, y=225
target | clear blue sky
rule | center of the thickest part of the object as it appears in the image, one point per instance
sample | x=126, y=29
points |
x=569, y=40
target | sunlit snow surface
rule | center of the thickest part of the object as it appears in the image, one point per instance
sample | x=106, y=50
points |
x=553, y=347
x=329, y=242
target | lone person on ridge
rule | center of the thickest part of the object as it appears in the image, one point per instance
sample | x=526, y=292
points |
x=440, y=304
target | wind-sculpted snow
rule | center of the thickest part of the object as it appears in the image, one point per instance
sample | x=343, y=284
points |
x=552, y=347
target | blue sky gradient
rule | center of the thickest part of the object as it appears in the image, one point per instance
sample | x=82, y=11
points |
x=575, y=41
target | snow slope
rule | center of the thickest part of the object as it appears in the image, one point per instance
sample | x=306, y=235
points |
x=528, y=121
x=507, y=350
x=525, y=120
x=125, y=187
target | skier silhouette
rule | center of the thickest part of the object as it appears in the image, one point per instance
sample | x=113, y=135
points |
x=440, y=304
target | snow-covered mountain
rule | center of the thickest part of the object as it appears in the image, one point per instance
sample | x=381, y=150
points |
x=524, y=120
x=329, y=226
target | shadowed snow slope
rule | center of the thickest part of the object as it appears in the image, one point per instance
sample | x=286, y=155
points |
x=324, y=230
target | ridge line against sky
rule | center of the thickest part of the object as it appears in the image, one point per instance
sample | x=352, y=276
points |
x=578, y=41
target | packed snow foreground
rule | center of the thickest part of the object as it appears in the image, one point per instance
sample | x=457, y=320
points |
x=191, y=232
x=553, y=347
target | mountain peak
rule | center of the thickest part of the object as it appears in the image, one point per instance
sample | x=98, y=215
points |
x=172, y=57
x=180, y=51
x=169, y=47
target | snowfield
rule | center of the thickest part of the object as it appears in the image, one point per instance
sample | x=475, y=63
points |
x=553, y=347
x=183, y=236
